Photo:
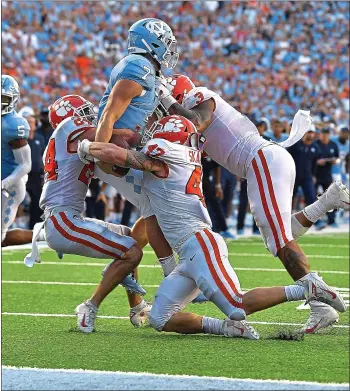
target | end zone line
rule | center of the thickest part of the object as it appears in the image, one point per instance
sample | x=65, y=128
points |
x=127, y=318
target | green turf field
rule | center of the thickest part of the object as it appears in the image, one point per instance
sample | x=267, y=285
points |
x=53, y=342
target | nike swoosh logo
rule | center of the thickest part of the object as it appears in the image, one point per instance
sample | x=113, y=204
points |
x=191, y=259
x=312, y=329
x=241, y=330
x=334, y=296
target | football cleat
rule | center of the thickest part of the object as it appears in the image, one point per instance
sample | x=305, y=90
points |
x=337, y=196
x=129, y=283
x=86, y=313
x=321, y=317
x=239, y=329
x=317, y=289
x=139, y=314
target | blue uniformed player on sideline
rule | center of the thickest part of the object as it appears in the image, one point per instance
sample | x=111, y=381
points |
x=130, y=97
x=15, y=160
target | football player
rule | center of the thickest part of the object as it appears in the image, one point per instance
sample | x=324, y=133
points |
x=64, y=189
x=171, y=160
x=233, y=141
x=15, y=162
x=131, y=94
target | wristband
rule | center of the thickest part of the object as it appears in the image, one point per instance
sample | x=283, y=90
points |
x=217, y=185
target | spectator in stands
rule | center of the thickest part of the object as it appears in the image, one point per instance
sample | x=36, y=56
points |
x=328, y=156
x=36, y=176
x=343, y=144
x=45, y=129
x=228, y=184
x=276, y=134
x=305, y=154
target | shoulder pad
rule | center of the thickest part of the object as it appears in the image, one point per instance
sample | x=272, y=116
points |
x=140, y=70
x=196, y=96
x=15, y=127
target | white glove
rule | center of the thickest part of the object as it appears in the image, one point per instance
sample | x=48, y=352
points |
x=83, y=151
x=164, y=93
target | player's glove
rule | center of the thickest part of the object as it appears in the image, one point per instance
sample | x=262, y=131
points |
x=83, y=151
x=164, y=90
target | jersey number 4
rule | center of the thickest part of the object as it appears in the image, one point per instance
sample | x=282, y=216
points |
x=51, y=166
x=194, y=184
x=50, y=162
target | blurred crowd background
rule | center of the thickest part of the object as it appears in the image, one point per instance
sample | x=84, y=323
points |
x=268, y=59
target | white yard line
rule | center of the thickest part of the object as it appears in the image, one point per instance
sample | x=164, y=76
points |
x=14, y=378
x=102, y=264
x=126, y=318
x=344, y=291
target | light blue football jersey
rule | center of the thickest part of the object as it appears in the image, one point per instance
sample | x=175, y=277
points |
x=13, y=127
x=139, y=69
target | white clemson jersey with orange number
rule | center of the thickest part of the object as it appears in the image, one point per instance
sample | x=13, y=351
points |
x=232, y=140
x=66, y=177
x=177, y=199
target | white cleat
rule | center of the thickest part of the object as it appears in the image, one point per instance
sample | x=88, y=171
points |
x=239, y=329
x=337, y=196
x=86, y=313
x=321, y=317
x=139, y=315
x=317, y=289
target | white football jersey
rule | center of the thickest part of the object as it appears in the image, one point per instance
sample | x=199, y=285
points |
x=232, y=139
x=177, y=199
x=66, y=177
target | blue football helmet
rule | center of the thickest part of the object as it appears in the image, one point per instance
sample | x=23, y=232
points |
x=9, y=94
x=154, y=37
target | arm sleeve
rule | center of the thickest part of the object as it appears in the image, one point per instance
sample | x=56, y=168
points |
x=23, y=159
x=138, y=72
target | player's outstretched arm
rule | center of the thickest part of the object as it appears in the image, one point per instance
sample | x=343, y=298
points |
x=112, y=154
x=119, y=99
x=200, y=115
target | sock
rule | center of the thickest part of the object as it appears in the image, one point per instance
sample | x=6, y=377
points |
x=139, y=307
x=298, y=230
x=294, y=292
x=315, y=211
x=168, y=264
x=92, y=304
x=212, y=326
x=41, y=237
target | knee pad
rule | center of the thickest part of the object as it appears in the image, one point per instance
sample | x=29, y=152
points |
x=205, y=287
x=162, y=310
x=298, y=230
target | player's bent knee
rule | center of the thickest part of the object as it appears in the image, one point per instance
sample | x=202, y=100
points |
x=155, y=321
x=134, y=255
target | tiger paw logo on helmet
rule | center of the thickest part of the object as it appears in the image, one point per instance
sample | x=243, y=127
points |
x=173, y=125
x=63, y=108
